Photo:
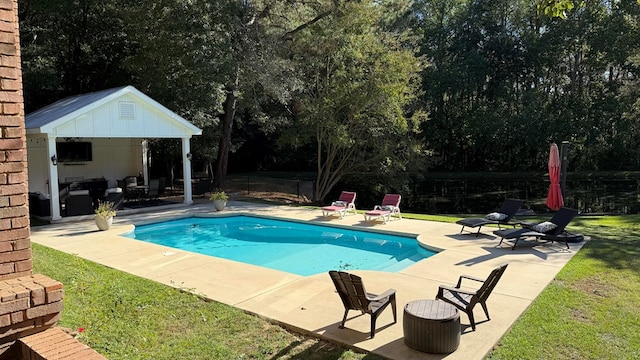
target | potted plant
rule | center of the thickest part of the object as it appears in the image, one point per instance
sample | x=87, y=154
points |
x=219, y=199
x=104, y=214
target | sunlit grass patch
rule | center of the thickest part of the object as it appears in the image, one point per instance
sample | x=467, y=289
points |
x=126, y=317
x=590, y=311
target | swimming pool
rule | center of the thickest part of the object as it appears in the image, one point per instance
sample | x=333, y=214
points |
x=298, y=248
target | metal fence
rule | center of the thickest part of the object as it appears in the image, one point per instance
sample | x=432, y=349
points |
x=588, y=193
x=458, y=196
x=298, y=190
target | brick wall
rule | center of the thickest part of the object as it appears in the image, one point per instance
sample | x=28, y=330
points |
x=28, y=304
x=15, y=246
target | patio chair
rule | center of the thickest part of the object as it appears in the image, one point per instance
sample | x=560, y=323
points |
x=153, y=192
x=39, y=204
x=162, y=185
x=71, y=179
x=466, y=300
x=552, y=230
x=389, y=207
x=129, y=183
x=202, y=186
x=354, y=297
x=344, y=204
x=502, y=216
x=63, y=194
x=116, y=196
x=78, y=202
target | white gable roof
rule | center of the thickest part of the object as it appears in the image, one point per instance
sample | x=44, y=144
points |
x=120, y=112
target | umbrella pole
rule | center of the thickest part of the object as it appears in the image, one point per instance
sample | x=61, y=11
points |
x=564, y=154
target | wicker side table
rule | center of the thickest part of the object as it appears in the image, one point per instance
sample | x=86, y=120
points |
x=431, y=326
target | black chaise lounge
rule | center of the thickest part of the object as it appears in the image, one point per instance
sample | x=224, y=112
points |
x=552, y=230
x=466, y=300
x=354, y=297
x=502, y=216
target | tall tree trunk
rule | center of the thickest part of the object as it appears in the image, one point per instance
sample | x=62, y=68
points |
x=225, y=138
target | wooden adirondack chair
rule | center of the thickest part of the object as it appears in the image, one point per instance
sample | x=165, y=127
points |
x=467, y=300
x=354, y=297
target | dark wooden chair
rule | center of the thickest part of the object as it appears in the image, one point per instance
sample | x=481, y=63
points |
x=466, y=300
x=354, y=297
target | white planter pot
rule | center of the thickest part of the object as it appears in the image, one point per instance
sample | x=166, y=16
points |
x=219, y=204
x=104, y=223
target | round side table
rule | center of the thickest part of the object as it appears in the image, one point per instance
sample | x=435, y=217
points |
x=431, y=326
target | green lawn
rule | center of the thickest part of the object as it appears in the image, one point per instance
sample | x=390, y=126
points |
x=126, y=317
x=590, y=311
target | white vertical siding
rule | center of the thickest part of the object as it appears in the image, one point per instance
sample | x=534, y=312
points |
x=106, y=121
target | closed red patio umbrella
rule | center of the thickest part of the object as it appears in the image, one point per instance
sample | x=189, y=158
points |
x=554, y=197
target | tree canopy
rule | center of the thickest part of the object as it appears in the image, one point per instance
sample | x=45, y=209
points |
x=339, y=87
x=359, y=78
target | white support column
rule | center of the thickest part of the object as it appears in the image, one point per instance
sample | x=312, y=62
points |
x=145, y=161
x=54, y=190
x=186, y=170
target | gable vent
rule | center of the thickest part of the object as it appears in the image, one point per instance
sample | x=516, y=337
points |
x=127, y=110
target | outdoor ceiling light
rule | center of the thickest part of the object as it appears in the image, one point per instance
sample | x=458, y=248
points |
x=189, y=156
x=54, y=160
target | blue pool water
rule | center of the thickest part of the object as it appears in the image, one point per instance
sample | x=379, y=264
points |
x=297, y=248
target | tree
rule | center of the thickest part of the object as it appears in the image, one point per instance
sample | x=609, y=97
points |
x=359, y=80
x=506, y=80
x=215, y=62
x=255, y=75
x=555, y=8
x=503, y=79
x=69, y=48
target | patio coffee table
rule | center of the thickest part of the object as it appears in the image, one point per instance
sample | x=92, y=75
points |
x=431, y=326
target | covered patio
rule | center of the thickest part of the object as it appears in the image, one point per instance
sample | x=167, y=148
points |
x=95, y=141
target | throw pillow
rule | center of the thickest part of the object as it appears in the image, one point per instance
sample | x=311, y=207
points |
x=387, y=208
x=544, y=227
x=496, y=216
x=339, y=203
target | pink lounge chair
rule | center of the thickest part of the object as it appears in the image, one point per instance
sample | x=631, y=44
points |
x=346, y=202
x=390, y=206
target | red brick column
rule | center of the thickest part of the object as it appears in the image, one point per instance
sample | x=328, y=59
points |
x=15, y=245
x=29, y=303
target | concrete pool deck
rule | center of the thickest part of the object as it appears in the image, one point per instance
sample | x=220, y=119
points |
x=310, y=304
